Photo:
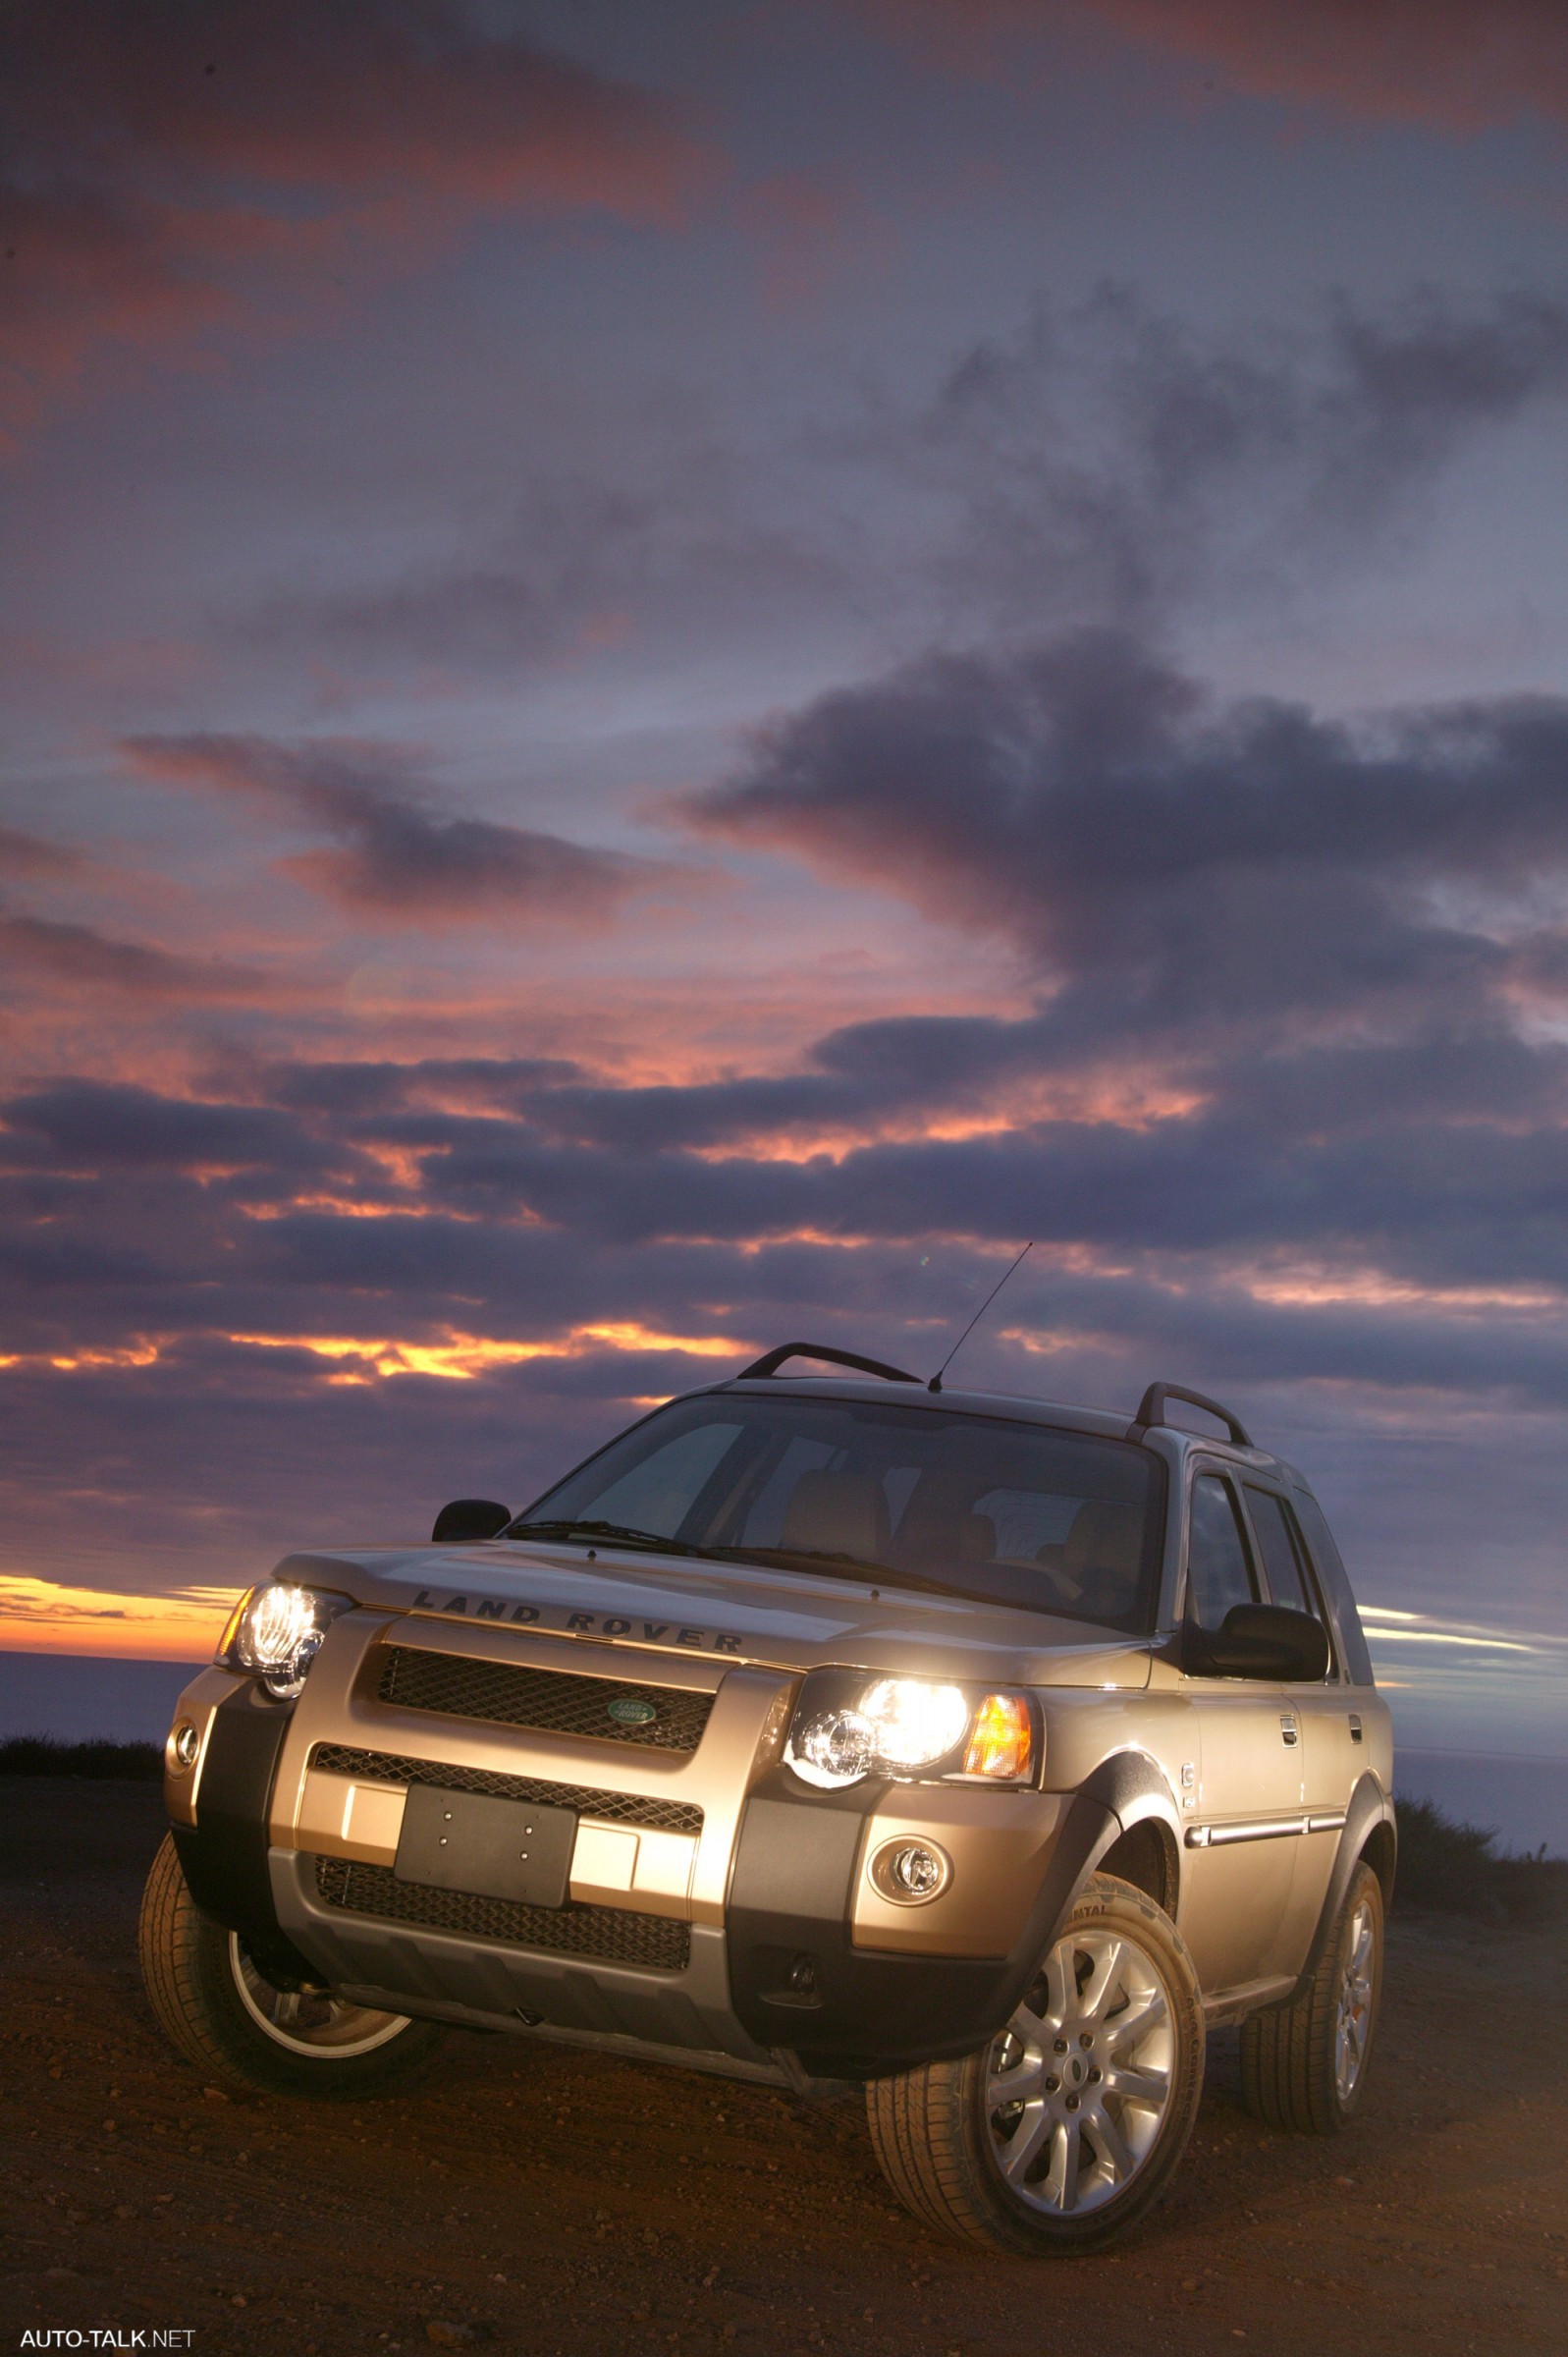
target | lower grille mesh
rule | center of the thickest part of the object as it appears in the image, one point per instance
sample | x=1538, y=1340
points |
x=620, y=1808
x=657, y=1942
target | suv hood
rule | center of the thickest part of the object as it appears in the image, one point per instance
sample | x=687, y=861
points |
x=779, y=1619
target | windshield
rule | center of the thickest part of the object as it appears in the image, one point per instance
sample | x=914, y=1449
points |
x=970, y=1505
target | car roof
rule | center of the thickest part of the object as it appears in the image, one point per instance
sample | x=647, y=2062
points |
x=1063, y=1415
x=1109, y=1422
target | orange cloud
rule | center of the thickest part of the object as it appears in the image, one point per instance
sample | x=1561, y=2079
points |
x=462, y=1357
x=44, y=1616
x=138, y=1353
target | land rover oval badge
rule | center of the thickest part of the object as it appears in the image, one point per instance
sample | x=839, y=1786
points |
x=631, y=1710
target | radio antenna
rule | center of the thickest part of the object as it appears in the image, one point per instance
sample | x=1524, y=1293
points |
x=935, y=1385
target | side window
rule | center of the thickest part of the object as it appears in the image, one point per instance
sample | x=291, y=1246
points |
x=1285, y=1560
x=1288, y=1582
x=1337, y=1587
x=1218, y=1574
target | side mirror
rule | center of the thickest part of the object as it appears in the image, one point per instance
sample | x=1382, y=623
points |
x=470, y=1518
x=1260, y=1640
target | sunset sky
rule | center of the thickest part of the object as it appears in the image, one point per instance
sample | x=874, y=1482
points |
x=670, y=674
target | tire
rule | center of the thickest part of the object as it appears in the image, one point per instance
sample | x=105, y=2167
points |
x=1058, y=2169
x=1304, y=2065
x=244, y=2033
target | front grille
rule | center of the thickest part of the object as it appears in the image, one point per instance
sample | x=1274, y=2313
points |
x=558, y=1702
x=622, y=1808
x=657, y=1942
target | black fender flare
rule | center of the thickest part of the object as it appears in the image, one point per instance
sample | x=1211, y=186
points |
x=1370, y=1807
x=1124, y=1791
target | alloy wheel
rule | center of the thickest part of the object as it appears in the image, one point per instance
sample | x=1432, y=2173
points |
x=1080, y=2082
x=1353, y=2019
x=309, y=2021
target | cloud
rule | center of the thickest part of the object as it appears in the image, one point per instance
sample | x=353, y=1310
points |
x=165, y=174
x=87, y=961
x=1105, y=463
x=1458, y=64
x=810, y=231
x=356, y=1089
x=661, y=546
x=22, y=855
x=1098, y=463
x=396, y=857
x=1431, y=1255
x=93, y=1125
x=206, y=1298
x=1169, y=860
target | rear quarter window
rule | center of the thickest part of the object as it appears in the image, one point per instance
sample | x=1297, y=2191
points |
x=1335, y=1585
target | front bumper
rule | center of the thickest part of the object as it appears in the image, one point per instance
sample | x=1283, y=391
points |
x=717, y=1909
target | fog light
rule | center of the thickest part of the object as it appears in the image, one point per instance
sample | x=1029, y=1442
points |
x=182, y=1747
x=910, y=1872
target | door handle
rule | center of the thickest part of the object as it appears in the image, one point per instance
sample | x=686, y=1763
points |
x=1355, y=1727
x=1289, y=1732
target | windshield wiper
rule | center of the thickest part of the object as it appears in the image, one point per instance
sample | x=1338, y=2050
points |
x=620, y=1533
x=827, y=1562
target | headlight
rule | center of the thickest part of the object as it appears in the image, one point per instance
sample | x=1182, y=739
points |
x=276, y=1633
x=915, y=1723
x=846, y=1727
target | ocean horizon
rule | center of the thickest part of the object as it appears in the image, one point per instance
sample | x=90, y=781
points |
x=1520, y=1796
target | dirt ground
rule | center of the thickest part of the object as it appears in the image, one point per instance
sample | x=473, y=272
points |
x=555, y=2202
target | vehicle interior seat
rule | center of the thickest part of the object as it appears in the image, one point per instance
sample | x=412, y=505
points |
x=946, y=1534
x=1101, y=1557
x=838, y=1513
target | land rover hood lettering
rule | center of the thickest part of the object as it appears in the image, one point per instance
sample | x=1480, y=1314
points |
x=781, y=1619
x=577, y=1624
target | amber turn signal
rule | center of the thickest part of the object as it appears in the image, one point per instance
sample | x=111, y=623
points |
x=1001, y=1738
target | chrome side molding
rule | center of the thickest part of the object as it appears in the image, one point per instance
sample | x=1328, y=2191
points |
x=1262, y=1829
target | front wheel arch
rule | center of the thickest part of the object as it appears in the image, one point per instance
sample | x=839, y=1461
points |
x=1146, y=1856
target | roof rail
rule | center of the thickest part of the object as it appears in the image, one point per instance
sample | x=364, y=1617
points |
x=771, y=1360
x=1152, y=1411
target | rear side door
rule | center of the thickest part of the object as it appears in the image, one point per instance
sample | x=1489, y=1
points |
x=1326, y=1715
x=1238, y=1871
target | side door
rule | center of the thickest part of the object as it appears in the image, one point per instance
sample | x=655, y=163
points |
x=1240, y=1862
x=1332, y=1749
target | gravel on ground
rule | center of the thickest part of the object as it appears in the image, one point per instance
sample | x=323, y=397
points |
x=544, y=2201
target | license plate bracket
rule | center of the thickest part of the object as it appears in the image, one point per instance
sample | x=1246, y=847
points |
x=486, y=1845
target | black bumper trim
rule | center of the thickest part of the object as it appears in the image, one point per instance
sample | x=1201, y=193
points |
x=797, y=1980
x=224, y=1855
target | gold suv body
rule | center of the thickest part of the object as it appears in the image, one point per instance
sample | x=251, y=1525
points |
x=564, y=1785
